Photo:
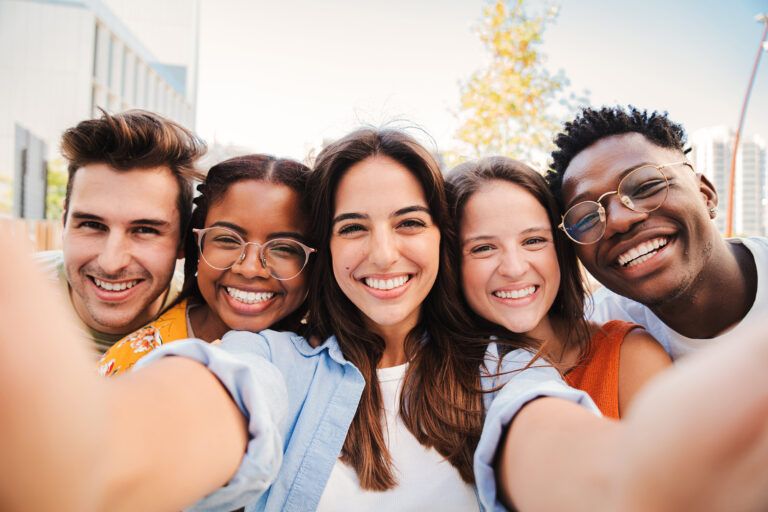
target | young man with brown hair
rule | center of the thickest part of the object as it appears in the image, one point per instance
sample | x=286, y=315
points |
x=128, y=203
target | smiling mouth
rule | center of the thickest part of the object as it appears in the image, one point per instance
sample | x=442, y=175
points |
x=247, y=297
x=516, y=294
x=111, y=286
x=387, y=284
x=642, y=252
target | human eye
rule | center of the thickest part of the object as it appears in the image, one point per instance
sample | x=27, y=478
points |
x=350, y=229
x=648, y=188
x=412, y=225
x=146, y=230
x=92, y=225
x=535, y=242
x=482, y=250
x=225, y=241
x=587, y=221
x=285, y=249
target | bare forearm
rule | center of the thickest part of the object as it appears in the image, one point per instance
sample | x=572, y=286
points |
x=698, y=437
x=557, y=454
x=175, y=436
x=50, y=419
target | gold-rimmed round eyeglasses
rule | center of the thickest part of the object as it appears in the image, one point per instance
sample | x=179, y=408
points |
x=221, y=248
x=643, y=189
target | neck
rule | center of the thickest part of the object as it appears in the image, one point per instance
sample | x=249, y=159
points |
x=394, y=344
x=720, y=297
x=550, y=335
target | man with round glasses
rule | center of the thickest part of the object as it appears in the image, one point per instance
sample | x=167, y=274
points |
x=641, y=218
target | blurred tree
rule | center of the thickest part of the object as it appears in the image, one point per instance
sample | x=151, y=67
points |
x=514, y=106
x=57, y=188
x=6, y=195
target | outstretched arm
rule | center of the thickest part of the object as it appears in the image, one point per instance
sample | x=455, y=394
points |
x=158, y=439
x=695, y=439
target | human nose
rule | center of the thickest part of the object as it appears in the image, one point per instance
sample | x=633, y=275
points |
x=512, y=264
x=115, y=254
x=383, y=251
x=620, y=218
x=250, y=264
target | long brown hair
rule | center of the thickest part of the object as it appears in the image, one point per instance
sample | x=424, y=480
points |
x=466, y=179
x=220, y=177
x=440, y=403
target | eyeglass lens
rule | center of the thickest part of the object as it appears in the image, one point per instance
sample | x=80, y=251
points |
x=283, y=258
x=642, y=190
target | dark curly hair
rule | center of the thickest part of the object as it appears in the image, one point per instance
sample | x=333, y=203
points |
x=592, y=125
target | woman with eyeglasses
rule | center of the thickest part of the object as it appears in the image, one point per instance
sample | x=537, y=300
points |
x=520, y=274
x=263, y=419
x=246, y=258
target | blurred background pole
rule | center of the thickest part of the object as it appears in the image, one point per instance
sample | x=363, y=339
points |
x=760, y=18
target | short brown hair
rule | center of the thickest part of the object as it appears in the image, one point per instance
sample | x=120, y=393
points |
x=136, y=139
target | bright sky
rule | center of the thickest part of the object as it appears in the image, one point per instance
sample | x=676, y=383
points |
x=281, y=77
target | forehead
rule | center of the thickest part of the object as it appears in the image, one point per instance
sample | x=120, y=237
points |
x=378, y=183
x=258, y=205
x=117, y=195
x=596, y=169
x=500, y=208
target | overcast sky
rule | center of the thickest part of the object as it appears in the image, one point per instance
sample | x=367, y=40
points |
x=281, y=77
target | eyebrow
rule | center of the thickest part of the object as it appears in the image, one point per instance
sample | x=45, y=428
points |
x=277, y=234
x=397, y=213
x=143, y=222
x=579, y=198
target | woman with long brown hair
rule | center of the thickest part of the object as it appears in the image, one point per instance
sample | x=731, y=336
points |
x=265, y=416
x=520, y=274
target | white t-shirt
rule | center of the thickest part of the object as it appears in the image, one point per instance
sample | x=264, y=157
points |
x=611, y=306
x=426, y=481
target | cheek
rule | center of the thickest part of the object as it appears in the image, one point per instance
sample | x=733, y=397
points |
x=295, y=291
x=475, y=275
x=345, y=256
x=206, y=281
x=586, y=254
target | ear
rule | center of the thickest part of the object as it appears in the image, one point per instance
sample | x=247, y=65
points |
x=180, y=253
x=708, y=192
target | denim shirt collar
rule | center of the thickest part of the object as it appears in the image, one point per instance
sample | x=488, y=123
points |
x=331, y=344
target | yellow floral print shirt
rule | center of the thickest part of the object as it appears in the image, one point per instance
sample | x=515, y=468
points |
x=170, y=326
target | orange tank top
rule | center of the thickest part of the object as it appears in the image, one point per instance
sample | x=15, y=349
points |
x=598, y=374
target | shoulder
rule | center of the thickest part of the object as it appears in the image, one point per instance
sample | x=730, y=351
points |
x=638, y=340
x=642, y=354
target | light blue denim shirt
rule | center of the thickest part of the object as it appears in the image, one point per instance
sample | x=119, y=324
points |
x=310, y=395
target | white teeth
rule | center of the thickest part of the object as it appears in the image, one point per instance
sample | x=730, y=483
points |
x=249, y=297
x=115, y=287
x=386, y=284
x=642, y=252
x=515, y=294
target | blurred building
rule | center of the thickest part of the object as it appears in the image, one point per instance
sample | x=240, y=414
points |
x=61, y=60
x=712, y=154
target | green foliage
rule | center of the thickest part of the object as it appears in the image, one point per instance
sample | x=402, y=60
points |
x=514, y=106
x=57, y=188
